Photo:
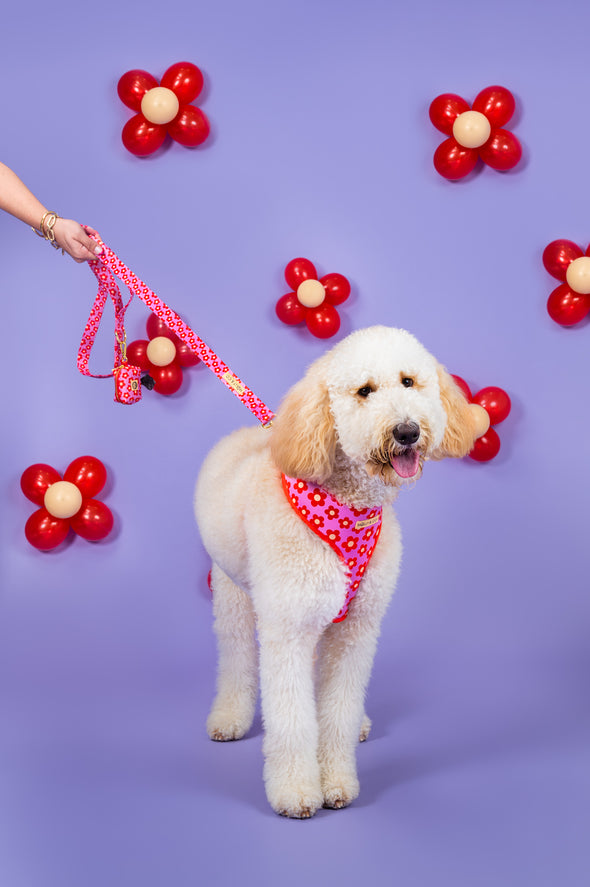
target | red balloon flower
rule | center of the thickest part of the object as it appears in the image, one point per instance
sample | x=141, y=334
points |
x=163, y=108
x=497, y=405
x=162, y=356
x=312, y=300
x=569, y=303
x=474, y=133
x=66, y=503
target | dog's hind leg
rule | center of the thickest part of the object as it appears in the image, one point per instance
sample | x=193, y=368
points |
x=365, y=730
x=237, y=676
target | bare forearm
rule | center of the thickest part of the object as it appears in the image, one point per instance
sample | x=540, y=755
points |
x=16, y=199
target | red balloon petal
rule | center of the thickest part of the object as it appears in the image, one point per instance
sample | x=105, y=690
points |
x=156, y=327
x=502, y=150
x=495, y=402
x=445, y=109
x=185, y=356
x=453, y=161
x=290, y=310
x=558, y=255
x=88, y=474
x=36, y=479
x=141, y=137
x=184, y=79
x=497, y=103
x=486, y=447
x=299, y=270
x=190, y=127
x=137, y=354
x=463, y=386
x=566, y=307
x=337, y=288
x=167, y=379
x=44, y=531
x=132, y=87
x=322, y=322
x=94, y=521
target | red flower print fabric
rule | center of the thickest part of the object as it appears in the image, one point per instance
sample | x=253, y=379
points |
x=340, y=526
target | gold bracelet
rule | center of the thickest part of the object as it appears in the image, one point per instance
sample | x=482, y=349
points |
x=46, y=225
x=49, y=223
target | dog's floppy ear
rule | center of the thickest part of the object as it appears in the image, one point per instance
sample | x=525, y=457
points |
x=462, y=420
x=303, y=439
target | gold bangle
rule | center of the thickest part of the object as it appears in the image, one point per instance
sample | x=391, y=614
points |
x=46, y=225
x=50, y=219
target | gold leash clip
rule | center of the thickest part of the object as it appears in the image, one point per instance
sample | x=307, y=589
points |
x=122, y=345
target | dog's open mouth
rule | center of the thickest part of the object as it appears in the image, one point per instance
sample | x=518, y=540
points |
x=405, y=463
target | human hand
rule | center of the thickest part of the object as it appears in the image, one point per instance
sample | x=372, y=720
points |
x=74, y=239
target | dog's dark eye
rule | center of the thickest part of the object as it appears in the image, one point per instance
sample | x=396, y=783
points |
x=407, y=381
x=365, y=391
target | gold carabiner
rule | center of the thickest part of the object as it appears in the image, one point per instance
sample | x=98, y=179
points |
x=122, y=346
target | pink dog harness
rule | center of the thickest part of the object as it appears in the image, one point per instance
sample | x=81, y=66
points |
x=351, y=533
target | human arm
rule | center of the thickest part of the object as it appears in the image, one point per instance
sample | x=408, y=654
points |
x=16, y=199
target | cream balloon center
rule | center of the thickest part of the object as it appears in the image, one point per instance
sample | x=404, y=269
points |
x=472, y=129
x=63, y=499
x=311, y=293
x=578, y=275
x=159, y=105
x=481, y=418
x=161, y=351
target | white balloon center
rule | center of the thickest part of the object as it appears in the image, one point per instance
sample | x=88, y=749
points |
x=161, y=351
x=311, y=293
x=472, y=129
x=481, y=418
x=578, y=275
x=159, y=105
x=63, y=499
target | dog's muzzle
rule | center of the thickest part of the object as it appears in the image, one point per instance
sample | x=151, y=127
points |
x=399, y=457
x=405, y=458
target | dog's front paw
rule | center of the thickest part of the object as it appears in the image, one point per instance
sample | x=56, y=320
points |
x=299, y=801
x=225, y=726
x=339, y=790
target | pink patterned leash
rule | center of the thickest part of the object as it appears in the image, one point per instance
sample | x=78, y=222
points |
x=107, y=265
x=107, y=286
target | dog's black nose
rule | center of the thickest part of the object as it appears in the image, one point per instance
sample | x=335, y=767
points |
x=406, y=433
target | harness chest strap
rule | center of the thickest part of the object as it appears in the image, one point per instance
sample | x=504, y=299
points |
x=350, y=532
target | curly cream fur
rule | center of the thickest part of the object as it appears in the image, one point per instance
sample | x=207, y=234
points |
x=461, y=430
x=303, y=442
x=273, y=575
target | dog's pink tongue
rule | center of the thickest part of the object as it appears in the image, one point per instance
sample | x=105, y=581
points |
x=406, y=464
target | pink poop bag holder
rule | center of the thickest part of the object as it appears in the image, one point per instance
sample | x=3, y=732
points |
x=127, y=377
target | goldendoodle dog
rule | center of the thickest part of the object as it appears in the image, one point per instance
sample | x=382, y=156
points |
x=306, y=552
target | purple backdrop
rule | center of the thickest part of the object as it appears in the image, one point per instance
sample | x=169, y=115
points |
x=477, y=771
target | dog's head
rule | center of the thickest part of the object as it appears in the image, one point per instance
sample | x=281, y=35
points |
x=381, y=398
